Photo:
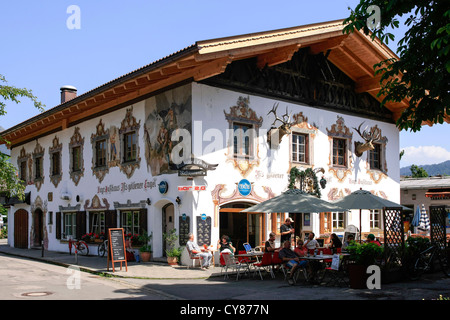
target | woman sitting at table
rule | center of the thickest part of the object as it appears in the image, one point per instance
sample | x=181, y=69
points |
x=225, y=245
x=269, y=246
x=335, y=242
x=300, y=250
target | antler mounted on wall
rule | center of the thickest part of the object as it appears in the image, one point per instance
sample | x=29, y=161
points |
x=369, y=137
x=284, y=128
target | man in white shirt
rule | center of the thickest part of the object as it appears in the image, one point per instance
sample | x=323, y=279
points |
x=311, y=243
x=205, y=255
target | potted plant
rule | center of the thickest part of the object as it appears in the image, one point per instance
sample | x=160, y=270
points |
x=362, y=255
x=173, y=253
x=146, y=249
x=173, y=256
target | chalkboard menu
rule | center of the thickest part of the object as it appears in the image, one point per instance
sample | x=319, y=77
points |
x=184, y=230
x=203, y=230
x=117, y=251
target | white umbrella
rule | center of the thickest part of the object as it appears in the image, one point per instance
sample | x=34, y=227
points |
x=424, y=222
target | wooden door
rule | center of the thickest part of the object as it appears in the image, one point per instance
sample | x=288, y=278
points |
x=21, y=229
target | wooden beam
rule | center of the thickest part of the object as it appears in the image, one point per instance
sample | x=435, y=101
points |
x=357, y=60
x=366, y=84
x=277, y=56
x=211, y=69
x=330, y=44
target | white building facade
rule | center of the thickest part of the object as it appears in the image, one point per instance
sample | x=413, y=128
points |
x=114, y=162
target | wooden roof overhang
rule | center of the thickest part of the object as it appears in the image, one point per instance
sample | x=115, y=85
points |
x=354, y=54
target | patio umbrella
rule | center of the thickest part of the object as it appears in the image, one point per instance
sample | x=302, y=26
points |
x=294, y=200
x=365, y=200
x=416, y=219
x=424, y=222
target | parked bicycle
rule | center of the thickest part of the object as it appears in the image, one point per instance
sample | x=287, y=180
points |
x=426, y=261
x=80, y=246
x=103, y=248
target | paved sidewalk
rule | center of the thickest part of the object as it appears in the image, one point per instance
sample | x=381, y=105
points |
x=95, y=264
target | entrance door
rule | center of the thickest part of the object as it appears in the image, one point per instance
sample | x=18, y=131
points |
x=167, y=223
x=38, y=227
x=21, y=229
x=242, y=227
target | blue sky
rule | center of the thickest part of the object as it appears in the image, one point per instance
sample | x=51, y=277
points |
x=40, y=53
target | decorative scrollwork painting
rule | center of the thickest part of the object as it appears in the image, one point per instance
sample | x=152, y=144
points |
x=243, y=147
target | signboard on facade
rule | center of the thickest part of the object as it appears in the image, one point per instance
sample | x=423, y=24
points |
x=244, y=187
x=203, y=230
x=191, y=188
x=163, y=187
x=193, y=168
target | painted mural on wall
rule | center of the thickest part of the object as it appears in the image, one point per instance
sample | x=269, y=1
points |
x=164, y=114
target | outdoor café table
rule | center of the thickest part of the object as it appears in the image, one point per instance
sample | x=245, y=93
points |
x=254, y=254
x=322, y=257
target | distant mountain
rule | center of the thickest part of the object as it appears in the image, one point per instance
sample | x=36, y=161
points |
x=432, y=169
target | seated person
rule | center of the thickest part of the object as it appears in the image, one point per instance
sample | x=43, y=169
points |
x=371, y=239
x=291, y=260
x=269, y=246
x=300, y=250
x=311, y=243
x=349, y=240
x=202, y=253
x=225, y=245
x=335, y=242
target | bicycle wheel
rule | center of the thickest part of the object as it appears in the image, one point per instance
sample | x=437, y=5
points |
x=418, y=269
x=102, y=249
x=444, y=263
x=83, y=248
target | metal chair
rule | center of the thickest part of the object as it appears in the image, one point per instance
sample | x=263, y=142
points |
x=265, y=264
x=194, y=258
x=231, y=263
x=337, y=271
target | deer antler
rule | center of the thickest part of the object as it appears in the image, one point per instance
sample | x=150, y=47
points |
x=368, y=137
x=283, y=119
x=286, y=123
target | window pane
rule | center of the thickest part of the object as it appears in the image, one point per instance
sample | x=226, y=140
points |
x=130, y=146
x=299, y=148
x=76, y=159
x=242, y=140
x=100, y=157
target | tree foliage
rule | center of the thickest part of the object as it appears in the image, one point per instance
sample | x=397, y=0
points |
x=418, y=172
x=9, y=180
x=422, y=74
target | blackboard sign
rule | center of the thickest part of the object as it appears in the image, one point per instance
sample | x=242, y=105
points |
x=184, y=230
x=116, y=252
x=203, y=231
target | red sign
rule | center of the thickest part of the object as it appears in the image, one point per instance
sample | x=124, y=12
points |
x=191, y=188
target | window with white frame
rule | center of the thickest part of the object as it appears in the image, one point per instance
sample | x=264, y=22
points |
x=70, y=224
x=375, y=219
x=130, y=221
x=98, y=222
x=299, y=148
x=338, y=220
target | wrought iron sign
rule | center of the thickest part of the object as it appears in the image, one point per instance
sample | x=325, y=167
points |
x=193, y=168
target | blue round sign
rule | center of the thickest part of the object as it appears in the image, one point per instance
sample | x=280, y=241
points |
x=203, y=216
x=163, y=187
x=244, y=187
